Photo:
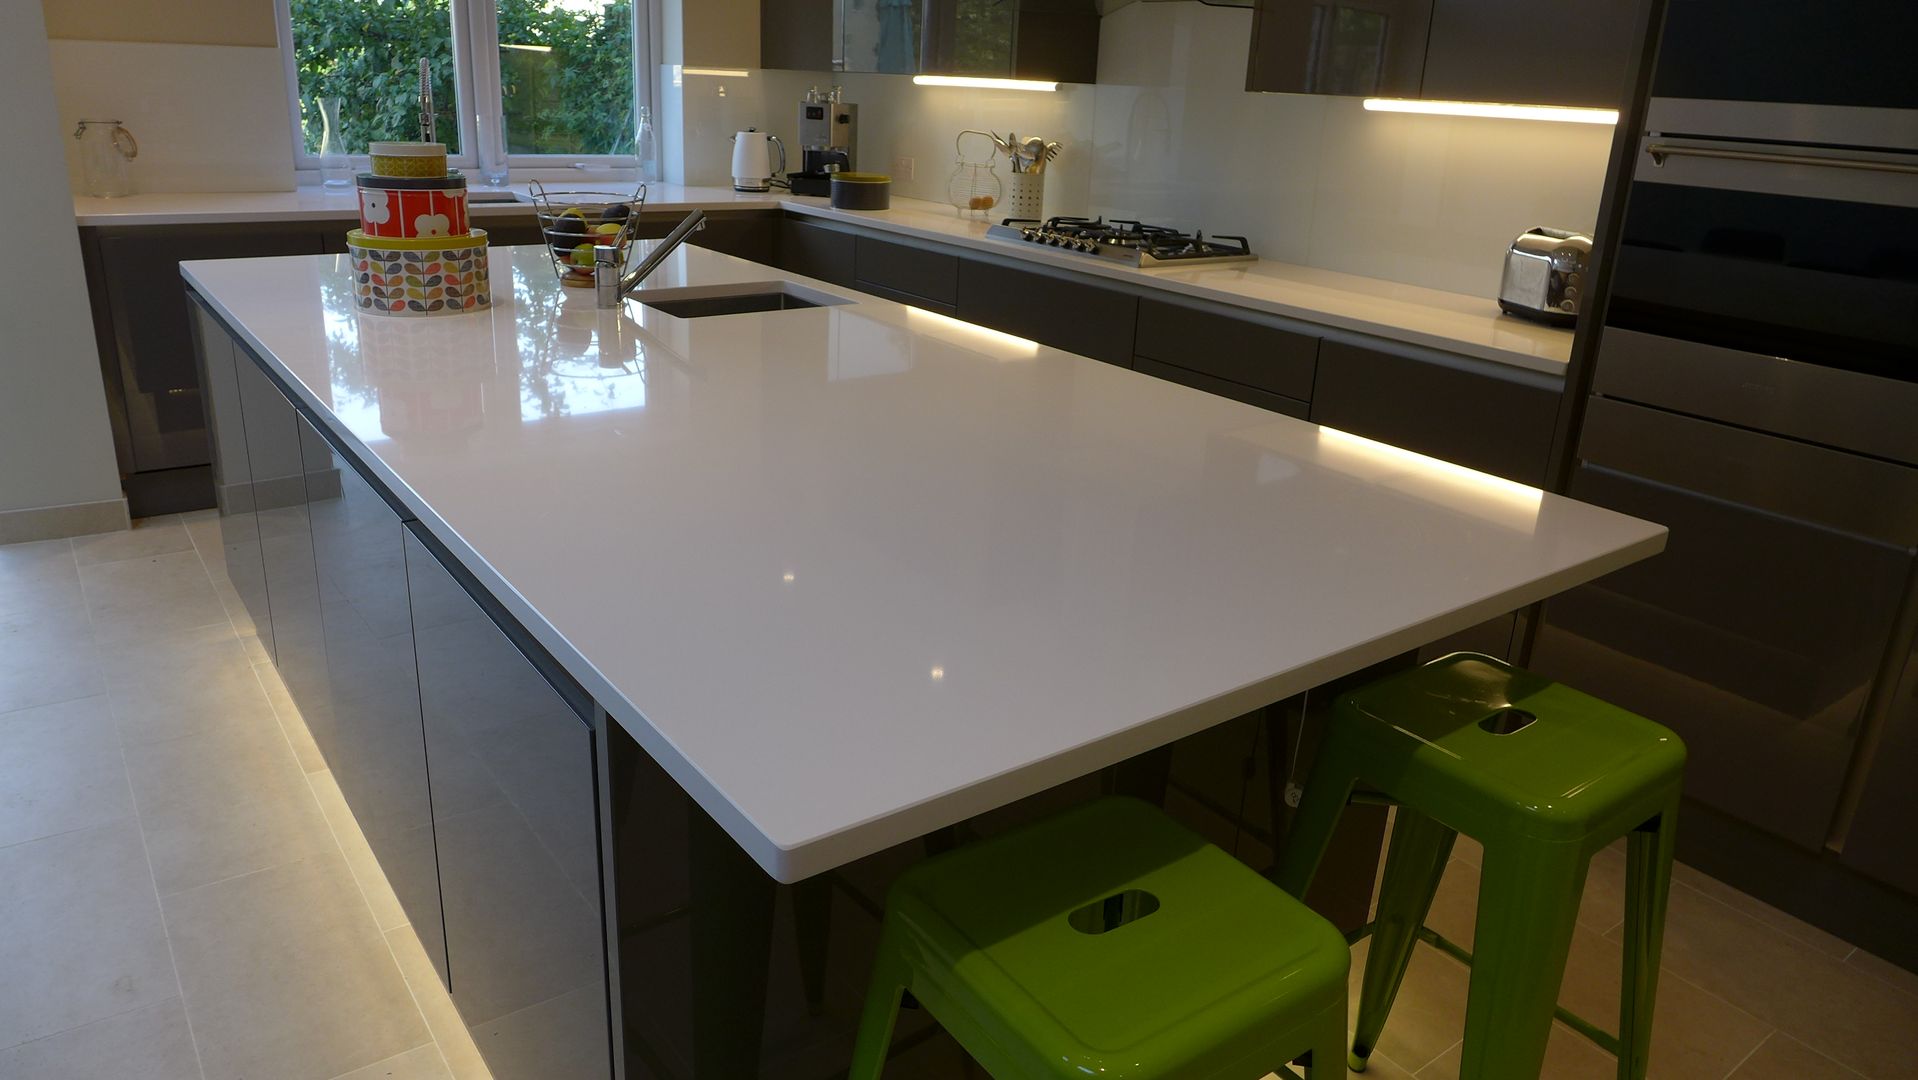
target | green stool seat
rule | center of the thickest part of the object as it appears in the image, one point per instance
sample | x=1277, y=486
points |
x=1542, y=776
x=1109, y=941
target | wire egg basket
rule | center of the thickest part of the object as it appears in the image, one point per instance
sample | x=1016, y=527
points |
x=574, y=222
x=975, y=186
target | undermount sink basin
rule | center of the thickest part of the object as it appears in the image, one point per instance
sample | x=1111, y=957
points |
x=704, y=301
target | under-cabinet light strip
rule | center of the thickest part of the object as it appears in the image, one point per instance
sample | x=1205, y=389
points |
x=984, y=84
x=1561, y=113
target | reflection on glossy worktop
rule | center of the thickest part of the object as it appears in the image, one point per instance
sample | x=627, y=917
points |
x=852, y=572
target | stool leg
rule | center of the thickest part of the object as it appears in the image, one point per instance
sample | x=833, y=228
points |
x=1648, y=886
x=1527, y=906
x=1328, y=1049
x=812, y=921
x=1326, y=791
x=889, y=978
x=1414, y=864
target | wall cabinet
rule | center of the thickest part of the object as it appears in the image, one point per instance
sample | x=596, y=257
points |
x=516, y=822
x=1485, y=416
x=1542, y=52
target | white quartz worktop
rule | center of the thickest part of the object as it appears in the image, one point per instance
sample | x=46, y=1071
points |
x=856, y=572
x=1454, y=322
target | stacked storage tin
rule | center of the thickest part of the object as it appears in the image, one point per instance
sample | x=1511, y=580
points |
x=414, y=252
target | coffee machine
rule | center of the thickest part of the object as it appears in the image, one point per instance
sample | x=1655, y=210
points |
x=828, y=130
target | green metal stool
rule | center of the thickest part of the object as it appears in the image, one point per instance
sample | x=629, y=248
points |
x=1109, y=941
x=1541, y=775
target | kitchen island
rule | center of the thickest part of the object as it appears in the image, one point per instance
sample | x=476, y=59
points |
x=698, y=605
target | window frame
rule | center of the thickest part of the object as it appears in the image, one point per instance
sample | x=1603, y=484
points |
x=475, y=33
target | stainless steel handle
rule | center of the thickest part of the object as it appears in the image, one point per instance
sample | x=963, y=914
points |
x=1658, y=152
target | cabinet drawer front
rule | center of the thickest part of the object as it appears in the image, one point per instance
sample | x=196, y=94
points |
x=1262, y=357
x=1236, y=391
x=1499, y=423
x=1080, y=318
x=930, y=274
x=1754, y=636
x=816, y=251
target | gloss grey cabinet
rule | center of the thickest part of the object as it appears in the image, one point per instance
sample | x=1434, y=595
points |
x=232, y=474
x=1053, y=309
x=1882, y=841
x=516, y=823
x=1368, y=48
x=377, y=748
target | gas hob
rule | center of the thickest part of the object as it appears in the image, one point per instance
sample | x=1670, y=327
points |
x=1129, y=242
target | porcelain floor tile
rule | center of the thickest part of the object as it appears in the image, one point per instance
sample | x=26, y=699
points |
x=1568, y=1056
x=47, y=657
x=387, y=913
x=151, y=1043
x=80, y=933
x=1803, y=991
x=43, y=562
x=154, y=594
x=185, y=683
x=256, y=952
x=227, y=802
x=148, y=536
x=1885, y=970
x=442, y=1019
x=419, y=1063
x=60, y=770
x=1789, y=925
x=1785, y=1058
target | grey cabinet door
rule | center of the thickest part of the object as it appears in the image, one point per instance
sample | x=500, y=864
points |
x=232, y=474
x=1361, y=47
x=1212, y=384
x=378, y=749
x=904, y=268
x=1072, y=315
x=152, y=342
x=1234, y=348
x=796, y=35
x=1494, y=421
x=1883, y=840
x=1754, y=636
x=1537, y=52
x=816, y=251
x=274, y=437
x=515, y=818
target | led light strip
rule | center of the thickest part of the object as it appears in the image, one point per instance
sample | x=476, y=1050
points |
x=724, y=73
x=984, y=84
x=1560, y=113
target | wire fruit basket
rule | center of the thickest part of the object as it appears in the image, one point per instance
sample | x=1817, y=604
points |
x=975, y=186
x=574, y=222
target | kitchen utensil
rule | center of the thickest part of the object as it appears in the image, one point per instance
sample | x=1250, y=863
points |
x=426, y=101
x=861, y=191
x=752, y=160
x=439, y=275
x=1031, y=151
x=407, y=158
x=571, y=221
x=1051, y=151
x=105, y=149
x=1544, y=274
x=393, y=207
x=974, y=186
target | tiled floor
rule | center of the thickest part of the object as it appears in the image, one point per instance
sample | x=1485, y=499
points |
x=183, y=893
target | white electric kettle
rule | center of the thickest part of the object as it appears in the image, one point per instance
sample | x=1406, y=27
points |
x=753, y=160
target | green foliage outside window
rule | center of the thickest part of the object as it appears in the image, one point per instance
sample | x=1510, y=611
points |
x=571, y=93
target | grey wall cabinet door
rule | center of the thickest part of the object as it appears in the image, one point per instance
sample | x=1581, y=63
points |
x=1755, y=636
x=1557, y=52
x=1883, y=840
x=515, y=819
x=152, y=347
x=233, y=475
x=796, y=35
x=1496, y=421
x=816, y=251
x=1066, y=314
x=274, y=438
x=1365, y=47
x=378, y=748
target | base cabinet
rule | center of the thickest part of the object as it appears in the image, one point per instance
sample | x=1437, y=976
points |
x=515, y=818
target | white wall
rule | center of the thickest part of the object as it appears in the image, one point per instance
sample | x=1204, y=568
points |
x=207, y=117
x=55, y=447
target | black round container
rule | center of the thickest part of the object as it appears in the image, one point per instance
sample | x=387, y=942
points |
x=861, y=191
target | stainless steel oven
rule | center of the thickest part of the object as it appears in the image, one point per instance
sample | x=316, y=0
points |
x=1756, y=390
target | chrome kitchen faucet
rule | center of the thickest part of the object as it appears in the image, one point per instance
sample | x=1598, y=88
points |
x=610, y=287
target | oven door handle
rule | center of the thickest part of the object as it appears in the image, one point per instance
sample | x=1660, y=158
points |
x=1658, y=152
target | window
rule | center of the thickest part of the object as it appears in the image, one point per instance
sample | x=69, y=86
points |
x=560, y=78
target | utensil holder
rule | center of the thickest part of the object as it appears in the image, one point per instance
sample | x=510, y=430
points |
x=1026, y=195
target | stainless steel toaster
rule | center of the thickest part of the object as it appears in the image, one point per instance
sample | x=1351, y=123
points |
x=1544, y=277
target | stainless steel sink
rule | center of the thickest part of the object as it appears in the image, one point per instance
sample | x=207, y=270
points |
x=705, y=301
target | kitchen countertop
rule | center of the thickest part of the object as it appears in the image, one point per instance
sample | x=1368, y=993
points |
x=852, y=573
x=1452, y=322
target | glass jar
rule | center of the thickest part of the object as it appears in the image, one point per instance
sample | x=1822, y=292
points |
x=105, y=150
x=336, y=170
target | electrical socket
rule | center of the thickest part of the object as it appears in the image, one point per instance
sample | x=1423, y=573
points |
x=1293, y=793
x=902, y=168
